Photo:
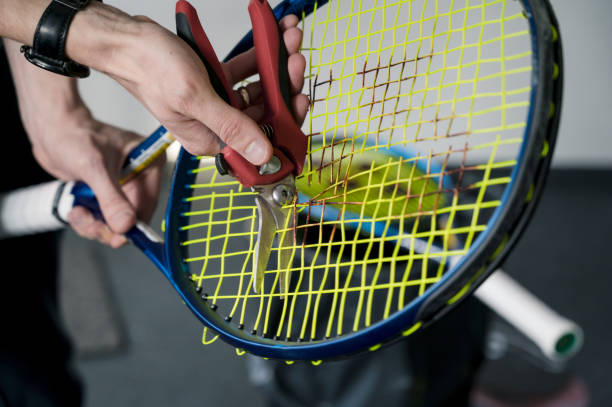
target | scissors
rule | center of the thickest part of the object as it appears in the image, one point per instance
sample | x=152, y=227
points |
x=274, y=181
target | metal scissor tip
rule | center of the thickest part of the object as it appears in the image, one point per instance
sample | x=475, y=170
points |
x=274, y=218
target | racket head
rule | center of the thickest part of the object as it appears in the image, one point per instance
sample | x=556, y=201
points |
x=203, y=286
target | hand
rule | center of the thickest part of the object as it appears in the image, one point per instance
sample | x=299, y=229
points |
x=81, y=148
x=168, y=78
x=71, y=145
x=244, y=65
x=102, y=150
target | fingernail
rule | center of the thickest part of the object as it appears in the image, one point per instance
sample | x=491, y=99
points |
x=105, y=235
x=255, y=152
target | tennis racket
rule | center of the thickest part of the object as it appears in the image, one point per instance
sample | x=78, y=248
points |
x=557, y=337
x=473, y=86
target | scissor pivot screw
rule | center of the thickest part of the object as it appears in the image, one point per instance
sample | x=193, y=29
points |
x=271, y=167
x=283, y=194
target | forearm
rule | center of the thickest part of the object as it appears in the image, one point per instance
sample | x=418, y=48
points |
x=42, y=93
x=18, y=18
x=100, y=36
x=107, y=39
x=160, y=70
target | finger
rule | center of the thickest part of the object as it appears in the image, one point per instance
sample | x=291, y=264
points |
x=288, y=21
x=85, y=225
x=253, y=95
x=143, y=191
x=208, y=143
x=299, y=106
x=241, y=66
x=293, y=40
x=244, y=65
x=300, y=103
x=233, y=127
x=117, y=211
x=296, y=67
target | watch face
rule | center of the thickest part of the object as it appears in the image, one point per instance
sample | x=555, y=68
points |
x=74, y=4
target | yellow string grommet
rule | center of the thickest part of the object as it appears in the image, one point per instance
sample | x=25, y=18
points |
x=459, y=294
x=499, y=248
x=240, y=352
x=530, y=193
x=412, y=329
x=289, y=362
x=552, y=110
x=555, y=33
x=375, y=347
x=545, y=149
x=316, y=362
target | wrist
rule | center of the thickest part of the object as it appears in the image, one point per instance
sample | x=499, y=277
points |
x=101, y=35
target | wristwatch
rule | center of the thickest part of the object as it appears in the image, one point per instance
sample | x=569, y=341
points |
x=48, y=48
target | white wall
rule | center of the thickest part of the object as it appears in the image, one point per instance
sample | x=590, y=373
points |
x=585, y=137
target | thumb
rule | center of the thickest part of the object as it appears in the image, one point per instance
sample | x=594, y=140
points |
x=236, y=129
x=118, y=213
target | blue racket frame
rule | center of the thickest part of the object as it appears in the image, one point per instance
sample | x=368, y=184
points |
x=168, y=257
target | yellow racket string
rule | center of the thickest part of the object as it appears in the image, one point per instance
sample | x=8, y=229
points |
x=417, y=118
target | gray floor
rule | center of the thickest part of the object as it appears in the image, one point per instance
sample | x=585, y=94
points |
x=163, y=362
x=148, y=349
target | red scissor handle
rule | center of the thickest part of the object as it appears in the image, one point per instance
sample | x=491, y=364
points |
x=288, y=141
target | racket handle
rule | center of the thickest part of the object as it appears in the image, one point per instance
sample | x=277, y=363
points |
x=30, y=210
x=557, y=337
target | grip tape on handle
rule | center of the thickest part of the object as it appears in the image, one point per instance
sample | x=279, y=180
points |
x=30, y=210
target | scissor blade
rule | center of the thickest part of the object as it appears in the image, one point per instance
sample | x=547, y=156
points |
x=285, y=223
x=265, y=238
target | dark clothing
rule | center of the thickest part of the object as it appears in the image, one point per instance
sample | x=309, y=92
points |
x=434, y=367
x=34, y=351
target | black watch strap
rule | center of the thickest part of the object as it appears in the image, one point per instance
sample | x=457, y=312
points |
x=48, y=48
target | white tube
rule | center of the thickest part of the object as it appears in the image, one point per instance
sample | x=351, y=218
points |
x=29, y=210
x=557, y=337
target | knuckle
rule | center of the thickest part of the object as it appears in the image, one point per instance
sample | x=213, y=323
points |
x=230, y=129
x=207, y=146
x=143, y=19
x=91, y=231
x=77, y=217
x=114, y=205
x=91, y=162
x=82, y=225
